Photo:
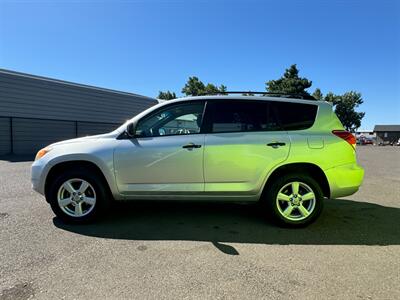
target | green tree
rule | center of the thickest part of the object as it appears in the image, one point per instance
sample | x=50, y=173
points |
x=289, y=83
x=195, y=87
x=166, y=95
x=213, y=89
x=318, y=94
x=345, y=108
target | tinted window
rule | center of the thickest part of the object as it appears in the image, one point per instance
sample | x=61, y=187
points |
x=172, y=120
x=294, y=116
x=237, y=116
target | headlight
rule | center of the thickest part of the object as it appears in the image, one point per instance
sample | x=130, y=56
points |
x=42, y=152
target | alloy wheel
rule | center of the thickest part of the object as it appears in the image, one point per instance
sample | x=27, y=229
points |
x=76, y=197
x=296, y=201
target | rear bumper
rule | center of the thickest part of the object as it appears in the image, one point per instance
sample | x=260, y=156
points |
x=344, y=180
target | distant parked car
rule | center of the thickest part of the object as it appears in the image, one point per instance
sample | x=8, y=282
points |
x=287, y=153
x=367, y=142
x=364, y=141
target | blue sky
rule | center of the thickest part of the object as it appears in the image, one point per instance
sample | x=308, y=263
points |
x=147, y=46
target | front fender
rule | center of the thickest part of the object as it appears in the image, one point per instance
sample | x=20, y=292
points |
x=98, y=153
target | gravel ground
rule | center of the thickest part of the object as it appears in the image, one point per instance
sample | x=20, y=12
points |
x=209, y=251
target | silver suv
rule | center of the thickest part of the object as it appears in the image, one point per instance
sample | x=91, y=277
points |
x=288, y=154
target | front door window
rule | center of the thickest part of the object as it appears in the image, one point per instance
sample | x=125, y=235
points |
x=177, y=119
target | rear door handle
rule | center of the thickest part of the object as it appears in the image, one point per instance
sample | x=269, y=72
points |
x=191, y=146
x=276, y=144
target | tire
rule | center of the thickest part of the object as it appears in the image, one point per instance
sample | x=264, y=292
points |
x=90, y=201
x=293, y=210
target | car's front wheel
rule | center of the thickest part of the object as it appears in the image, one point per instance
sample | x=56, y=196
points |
x=294, y=200
x=77, y=196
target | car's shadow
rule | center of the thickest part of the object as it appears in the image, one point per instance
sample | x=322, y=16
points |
x=344, y=222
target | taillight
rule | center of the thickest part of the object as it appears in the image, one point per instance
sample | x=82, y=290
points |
x=347, y=136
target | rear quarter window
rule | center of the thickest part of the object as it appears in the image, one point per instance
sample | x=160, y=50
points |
x=295, y=116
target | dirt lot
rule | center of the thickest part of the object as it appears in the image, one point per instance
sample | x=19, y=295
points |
x=213, y=251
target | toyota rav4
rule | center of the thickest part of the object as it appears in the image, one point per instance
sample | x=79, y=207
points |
x=288, y=154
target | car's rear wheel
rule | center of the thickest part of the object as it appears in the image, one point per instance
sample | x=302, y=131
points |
x=294, y=200
x=77, y=196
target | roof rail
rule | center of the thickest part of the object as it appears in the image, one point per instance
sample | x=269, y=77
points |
x=276, y=94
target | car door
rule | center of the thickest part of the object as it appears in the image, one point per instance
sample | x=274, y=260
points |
x=243, y=143
x=166, y=154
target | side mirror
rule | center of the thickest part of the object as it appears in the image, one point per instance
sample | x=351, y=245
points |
x=131, y=130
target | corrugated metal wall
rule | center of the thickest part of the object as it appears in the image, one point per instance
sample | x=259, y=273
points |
x=30, y=135
x=85, y=129
x=5, y=136
x=45, y=110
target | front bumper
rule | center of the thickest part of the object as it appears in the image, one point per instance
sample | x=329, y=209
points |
x=344, y=180
x=39, y=171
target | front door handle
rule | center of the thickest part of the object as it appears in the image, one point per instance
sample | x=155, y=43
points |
x=191, y=146
x=276, y=144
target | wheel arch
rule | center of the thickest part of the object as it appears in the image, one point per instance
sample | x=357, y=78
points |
x=311, y=169
x=65, y=165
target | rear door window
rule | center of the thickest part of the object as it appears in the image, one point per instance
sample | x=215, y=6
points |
x=240, y=116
